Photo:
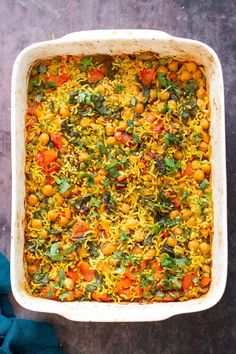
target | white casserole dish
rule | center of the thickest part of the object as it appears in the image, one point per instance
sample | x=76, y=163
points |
x=117, y=42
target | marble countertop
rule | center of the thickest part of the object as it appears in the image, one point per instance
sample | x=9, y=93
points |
x=211, y=21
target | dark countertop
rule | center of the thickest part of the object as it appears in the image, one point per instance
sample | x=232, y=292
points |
x=213, y=22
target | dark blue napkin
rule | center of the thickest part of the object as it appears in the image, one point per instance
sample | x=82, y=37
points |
x=22, y=336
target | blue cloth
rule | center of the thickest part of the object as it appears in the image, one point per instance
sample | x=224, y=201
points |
x=22, y=336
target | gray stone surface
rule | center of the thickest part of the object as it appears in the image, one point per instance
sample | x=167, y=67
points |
x=213, y=22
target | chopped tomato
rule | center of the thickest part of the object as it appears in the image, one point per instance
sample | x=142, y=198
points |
x=147, y=76
x=87, y=273
x=101, y=297
x=123, y=138
x=125, y=294
x=50, y=168
x=143, y=264
x=130, y=273
x=188, y=170
x=45, y=157
x=31, y=110
x=156, y=266
x=172, y=76
x=124, y=283
x=150, y=118
x=59, y=80
x=95, y=75
x=157, y=128
x=56, y=139
x=73, y=275
x=176, y=201
x=188, y=280
x=80, y=228
x=205, y=280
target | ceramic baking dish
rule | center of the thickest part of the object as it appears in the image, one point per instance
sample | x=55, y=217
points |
x=117, y=42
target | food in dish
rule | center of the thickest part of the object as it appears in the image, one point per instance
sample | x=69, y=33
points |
x=118, y=192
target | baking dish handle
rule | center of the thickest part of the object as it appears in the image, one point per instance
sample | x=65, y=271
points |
x=114, y=34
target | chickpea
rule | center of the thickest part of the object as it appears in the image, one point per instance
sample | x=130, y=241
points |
x=203, y=146
x=43, y=233
x=191, y=221
x=32, y=269
x=139, y=108
x=178, y=231
x=204, y=247
x=179, y=250
x=162, y=69
x=83, y=156
x=206, y=168
x=134, y=88
x=110, y=130
x=205, y=137
x=85, y=122
x=164, y=95
x=141, y=98
x=186, y=213
x=44, y=139
x=201, y=83
x=63, y=220
x=172, y=105
x=161, y=106
x=138, y=236
x=33, y=200
x=178, y=155
x=197, y=75
x=37, y=223
x=191, y=67
x=199, y=175
x=174, y=214
x=193, y=245
x=153, y=95
x=201, y=92
x=196, y=209
x=64, y=112
x=204, y=124
x=126, y=114
x=59, y=199
x=70, y=296
x=124, y=208
x=173, y=66
x=111, y=140
x=196, y=164
x=185, y=75
x=122, y=125
x=69, y=283
x=48, y=190
x=171, y=241
x=52, y=215
x=150, y=254
x=206, y=268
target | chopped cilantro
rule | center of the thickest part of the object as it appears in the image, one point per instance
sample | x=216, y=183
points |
x=85, y=63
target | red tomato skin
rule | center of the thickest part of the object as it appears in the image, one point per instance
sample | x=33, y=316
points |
x=147, y=76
